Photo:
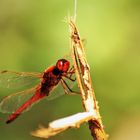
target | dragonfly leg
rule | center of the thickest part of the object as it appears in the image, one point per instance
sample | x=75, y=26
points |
x=64, y=87
x=72, y=68
x=70, y=73
x=68, y=77
x=67, y=89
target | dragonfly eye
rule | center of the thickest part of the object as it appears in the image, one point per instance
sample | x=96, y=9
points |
x=63, y=65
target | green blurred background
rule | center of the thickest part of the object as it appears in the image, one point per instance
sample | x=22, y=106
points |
x=33, y=36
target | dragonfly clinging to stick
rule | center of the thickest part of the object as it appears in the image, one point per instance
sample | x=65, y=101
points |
x=49, y=79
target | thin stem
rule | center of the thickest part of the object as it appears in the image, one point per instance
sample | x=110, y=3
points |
x=82, y=71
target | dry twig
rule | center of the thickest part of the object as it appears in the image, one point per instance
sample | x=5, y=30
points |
x=85, y=84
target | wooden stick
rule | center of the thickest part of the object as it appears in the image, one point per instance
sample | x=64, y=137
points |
x=85, y=85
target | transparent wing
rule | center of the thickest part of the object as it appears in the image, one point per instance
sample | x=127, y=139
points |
x=56, y=92
x=11, y=79
x=12, y=102
x=59, y=90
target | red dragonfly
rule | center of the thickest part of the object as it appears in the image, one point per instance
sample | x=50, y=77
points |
x=22, y=101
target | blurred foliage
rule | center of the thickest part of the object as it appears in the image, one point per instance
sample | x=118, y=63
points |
x=33, y=36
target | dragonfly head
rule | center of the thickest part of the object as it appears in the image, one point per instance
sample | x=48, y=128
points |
x=63, y=65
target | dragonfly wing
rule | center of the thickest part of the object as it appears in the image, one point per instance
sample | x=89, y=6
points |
x=59, y=90
x=56, y=92
x=11, y=79
x=12, y=102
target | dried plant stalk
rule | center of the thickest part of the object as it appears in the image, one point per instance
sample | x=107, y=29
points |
x=84, y=82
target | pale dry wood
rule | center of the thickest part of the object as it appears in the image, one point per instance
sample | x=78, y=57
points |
x=85, y=84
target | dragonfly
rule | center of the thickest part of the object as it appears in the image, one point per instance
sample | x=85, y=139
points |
x=49, y=80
